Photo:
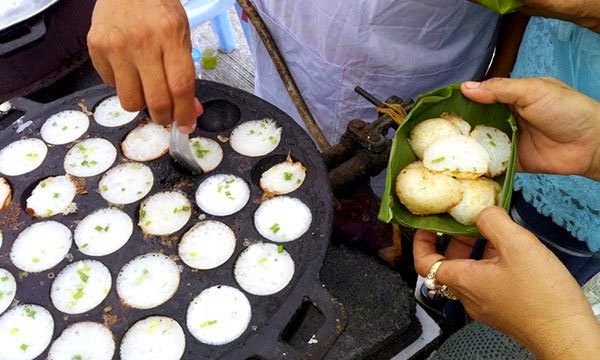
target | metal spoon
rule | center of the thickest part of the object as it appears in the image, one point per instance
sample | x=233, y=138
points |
x=179, y=149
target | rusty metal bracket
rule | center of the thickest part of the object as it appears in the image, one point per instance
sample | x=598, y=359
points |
x=363, y=150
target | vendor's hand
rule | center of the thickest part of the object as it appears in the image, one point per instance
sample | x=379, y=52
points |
x=522, y=289
x=560, y=127
x=142, y=47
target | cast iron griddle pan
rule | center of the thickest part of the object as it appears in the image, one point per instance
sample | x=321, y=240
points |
x=225, y=108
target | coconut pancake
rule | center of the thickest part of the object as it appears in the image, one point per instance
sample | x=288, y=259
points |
x=8, y=289
x=103, y=232
x=5, y=193
x=64, y=127
x=282, y=219
x=25, y=332
x=110, y=113
x=457, y=155
x=222, y=194
x=207, y=245
x=80, y=286
x=126, y=183
x=41, y=246
x=148, y=281
x=153, y=338
x=90, y=157
x=83, y=340
x=255, y=138
x=429, y=131
x=498, y=146
x=283, y=178
x=146, y=142
x=207, y=152
x=264, y=269
x=164, y=213
x=51, y=196
x=218, y=315
x=22, y=156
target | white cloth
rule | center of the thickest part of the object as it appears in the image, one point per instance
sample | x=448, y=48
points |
x=389, y=47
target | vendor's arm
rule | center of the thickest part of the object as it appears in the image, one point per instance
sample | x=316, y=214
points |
x=523, y=290
x=142, y=47
x=512, y=27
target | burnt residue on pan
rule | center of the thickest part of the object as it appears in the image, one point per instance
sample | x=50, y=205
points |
x=270, y=314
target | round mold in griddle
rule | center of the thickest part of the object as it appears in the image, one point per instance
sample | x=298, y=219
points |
x=219, y=115
x=270, y=314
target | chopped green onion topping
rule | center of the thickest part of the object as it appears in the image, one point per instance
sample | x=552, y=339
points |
x=492, y=143
x=79, y=293
x=143, y=276
x=288, y=176
x=228, y=194
x=93, y=162
x=100, y=228
x=104, y=188
x=30, y=312
x=488, y=135
x=181, y=209
x=32, y=156
x=81, y=148
x=230, y=181
x=43, y=184
x=200, y=152
x=64, y=128
x=136, y=167
x=275, y=228
x=56, y=195
x=272, y=140
x=505, y=162
x=24, y=347
x=49, y=212
x=54, y=124
x=252, y=132
x=280, y=249
x=13, y=331
x=441, y=158
x=263, y=260
x=152, y=327
x=83, y=276
x=142, y=213
x=76, y=357
x=208, y=323
x=115, y=113
x=85, y=163
x=35, y=260
x=4, y=279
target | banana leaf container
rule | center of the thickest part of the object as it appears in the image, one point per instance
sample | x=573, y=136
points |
x=431, y=105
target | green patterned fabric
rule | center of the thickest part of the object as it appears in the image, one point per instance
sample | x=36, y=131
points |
x=501, y=6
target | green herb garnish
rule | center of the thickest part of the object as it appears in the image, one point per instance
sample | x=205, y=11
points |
x=64, y=128
x=208, y=323
x=492, y=143
x=43, y=184
x=275, y=228
x=200, y=152
x=24, y=347
x=56, y=195
x=76, y=357
x=142, y=213
x=35, y=260
x=79, y=293
x=83, y=276
x=280, y=249
x=30, y=312
x=104, y=188
x=4, y=279
x=440, y=159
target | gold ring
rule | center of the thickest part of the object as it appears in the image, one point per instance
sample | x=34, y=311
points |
x=431, y=282
x=447, y=293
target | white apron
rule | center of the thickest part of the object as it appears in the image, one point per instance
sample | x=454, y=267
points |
x=389, y=47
